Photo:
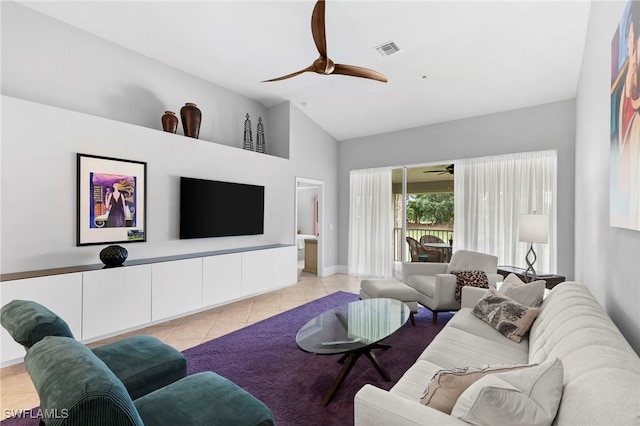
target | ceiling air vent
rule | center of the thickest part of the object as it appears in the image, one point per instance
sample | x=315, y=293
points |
x=388, y=49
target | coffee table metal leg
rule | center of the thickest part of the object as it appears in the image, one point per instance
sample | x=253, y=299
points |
x=351, y=360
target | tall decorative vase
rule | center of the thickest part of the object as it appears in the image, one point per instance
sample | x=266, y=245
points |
x=169, y=122
x=191, y=117
x=261, y=145
x=248, y=138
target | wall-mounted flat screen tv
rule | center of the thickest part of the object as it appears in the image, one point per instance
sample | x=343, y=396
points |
x=210, y=208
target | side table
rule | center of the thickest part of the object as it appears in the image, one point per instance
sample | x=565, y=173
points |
x=551, y=279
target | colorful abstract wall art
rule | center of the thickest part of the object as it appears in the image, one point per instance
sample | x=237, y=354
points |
x=625, y=121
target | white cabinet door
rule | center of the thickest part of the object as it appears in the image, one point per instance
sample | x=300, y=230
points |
x=221, y=278
x=285, y=266
x=177, y=288
x=115, y=299
x=257, y=271
x=61, y=294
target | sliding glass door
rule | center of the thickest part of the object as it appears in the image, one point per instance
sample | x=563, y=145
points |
x=423, y=206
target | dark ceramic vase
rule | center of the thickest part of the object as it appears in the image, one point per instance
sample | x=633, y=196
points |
x=169, y=122
x=113, y=255
x=191, y=117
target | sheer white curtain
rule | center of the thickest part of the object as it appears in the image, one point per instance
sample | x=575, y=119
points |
x=370, y=223
x=490, y=195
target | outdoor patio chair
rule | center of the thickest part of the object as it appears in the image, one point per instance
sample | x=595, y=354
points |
x=418, y=253
x=434, y=254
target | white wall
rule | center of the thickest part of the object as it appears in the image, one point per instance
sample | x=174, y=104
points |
x=66, y=92
x=315, y=156
x=52, y=63
x=607, y=259
x=550, y=126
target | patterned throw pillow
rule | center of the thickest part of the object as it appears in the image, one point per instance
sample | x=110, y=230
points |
x=509, y=317
x=470, y=278
x=447, y=385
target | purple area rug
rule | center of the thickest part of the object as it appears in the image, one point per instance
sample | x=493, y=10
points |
x=264, y=359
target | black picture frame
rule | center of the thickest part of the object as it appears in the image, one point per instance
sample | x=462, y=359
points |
x=111, y=200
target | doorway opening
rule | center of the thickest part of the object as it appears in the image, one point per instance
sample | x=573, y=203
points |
x=309, y=225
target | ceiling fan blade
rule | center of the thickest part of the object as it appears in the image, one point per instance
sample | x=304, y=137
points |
x=355, y=71
x=284, y=77
x=318, y=28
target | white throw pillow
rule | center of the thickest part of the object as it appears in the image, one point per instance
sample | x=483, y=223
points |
x=530, y=294
x=529, y=396
x=447, y=385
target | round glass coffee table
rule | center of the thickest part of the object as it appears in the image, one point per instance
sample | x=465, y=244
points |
x=353, y=329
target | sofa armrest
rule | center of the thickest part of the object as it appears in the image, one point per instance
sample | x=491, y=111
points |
x=374, y=406
x=422, y=268
x=471, y=296
x=445, y=290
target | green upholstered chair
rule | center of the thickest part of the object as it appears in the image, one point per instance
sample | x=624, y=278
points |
x=142, y=363
x=76, y=388
x=28, y=322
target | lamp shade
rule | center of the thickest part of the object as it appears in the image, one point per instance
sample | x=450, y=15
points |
x=534, y=228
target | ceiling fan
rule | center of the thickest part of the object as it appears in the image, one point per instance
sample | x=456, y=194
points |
x=324, y=65
x=448, y=169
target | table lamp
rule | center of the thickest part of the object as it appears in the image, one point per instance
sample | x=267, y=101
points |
x=533, y=228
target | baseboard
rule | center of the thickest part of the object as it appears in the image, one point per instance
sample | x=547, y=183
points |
x=335, y=269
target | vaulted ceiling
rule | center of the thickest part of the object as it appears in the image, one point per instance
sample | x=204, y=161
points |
x=458, y=59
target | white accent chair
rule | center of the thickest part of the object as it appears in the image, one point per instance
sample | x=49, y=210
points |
x=435, y=284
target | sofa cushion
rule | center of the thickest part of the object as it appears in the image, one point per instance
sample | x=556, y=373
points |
x=530, y=294
x=389, y=287
x=203, y=399
x=413, y=382
x=143, y=363
x=447, y=385
x=469, y=278
x=499, y=349
x=74, y=384
x=509, y=317
x=461, y=344
x=529, y=396
x=28, y=322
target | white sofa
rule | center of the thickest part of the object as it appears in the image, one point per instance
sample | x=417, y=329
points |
x=601, y=384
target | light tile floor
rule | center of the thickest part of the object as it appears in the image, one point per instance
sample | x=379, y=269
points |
x=18, y=393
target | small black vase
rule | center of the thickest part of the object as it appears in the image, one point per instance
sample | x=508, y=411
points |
x=113, y=255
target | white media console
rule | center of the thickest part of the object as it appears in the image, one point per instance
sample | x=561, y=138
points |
x=100, y=302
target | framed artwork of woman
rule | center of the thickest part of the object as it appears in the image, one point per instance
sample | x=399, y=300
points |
x=111, y=200
x=625, y=121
